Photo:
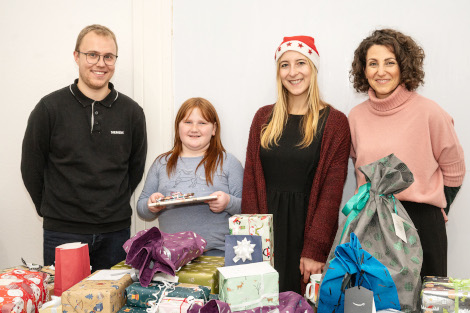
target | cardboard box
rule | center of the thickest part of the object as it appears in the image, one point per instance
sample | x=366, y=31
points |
x=202, y=271
x=91, y=295
x=258, y=225
x=249, y=286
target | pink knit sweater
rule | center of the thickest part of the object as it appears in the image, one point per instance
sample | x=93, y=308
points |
x=419, y=132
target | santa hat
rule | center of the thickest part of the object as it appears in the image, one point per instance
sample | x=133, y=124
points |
x=302, y=44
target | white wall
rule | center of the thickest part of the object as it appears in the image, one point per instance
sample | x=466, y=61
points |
x=224, y=51
x=38, y=39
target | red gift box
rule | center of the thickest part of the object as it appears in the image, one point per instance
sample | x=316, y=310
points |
x=22, y=291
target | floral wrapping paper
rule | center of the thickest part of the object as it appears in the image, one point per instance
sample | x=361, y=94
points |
x=202, y=271
x=22, y=290
x=255, y=224
x=104, y=296
x=140, y=296
x=249, y=286
x=445, y=295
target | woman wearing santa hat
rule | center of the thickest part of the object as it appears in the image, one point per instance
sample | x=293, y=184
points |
x=296, y=165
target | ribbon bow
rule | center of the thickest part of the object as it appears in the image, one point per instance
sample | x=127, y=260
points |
x=355, y=205
x=459, y=284
x=243, y=250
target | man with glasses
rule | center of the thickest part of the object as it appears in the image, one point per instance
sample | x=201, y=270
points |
x=83, y=155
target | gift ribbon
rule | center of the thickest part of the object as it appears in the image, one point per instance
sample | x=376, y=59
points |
x=355, y=205
x=243, y=250
x=457, y=284
x=391, y=196
x=155, y=303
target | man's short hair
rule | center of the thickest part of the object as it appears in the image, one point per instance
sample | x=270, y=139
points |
x=99, y=30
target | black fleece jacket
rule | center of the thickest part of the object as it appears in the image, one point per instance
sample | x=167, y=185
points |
x=82, y=160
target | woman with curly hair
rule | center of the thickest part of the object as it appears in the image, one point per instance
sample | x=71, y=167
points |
x=388, y=65
x=296, y=165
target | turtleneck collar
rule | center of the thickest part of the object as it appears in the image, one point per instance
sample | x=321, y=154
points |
x=393, y=103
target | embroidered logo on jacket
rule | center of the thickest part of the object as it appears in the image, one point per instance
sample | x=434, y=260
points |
x=117, y=132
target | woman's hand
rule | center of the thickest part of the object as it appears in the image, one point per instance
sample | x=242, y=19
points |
x=309, y=267
x=218, y=205
x=446, y=219
x=152, y=199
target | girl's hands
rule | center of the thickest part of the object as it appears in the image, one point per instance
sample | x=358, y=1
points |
x=152, y=199
x=218, y=205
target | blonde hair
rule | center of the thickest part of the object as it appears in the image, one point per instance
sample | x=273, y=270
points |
x=99, y=30
x=271, y=132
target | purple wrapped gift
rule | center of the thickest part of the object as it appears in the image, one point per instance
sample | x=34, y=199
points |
x=152, y=251
x=289, y=302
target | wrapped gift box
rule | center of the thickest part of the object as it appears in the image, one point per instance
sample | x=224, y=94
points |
x=24, y=288
x=445, y=295
x=202, y=271
x=140, y=296
x=132, y=309
x=177, y=305
x=249, y=286
x=121, y=266
x=243, y=249
x=16, y=296
x=91, y=295
x=259, y=225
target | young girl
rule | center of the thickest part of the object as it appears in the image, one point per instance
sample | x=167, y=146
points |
x=197, y=164
x=296, y=165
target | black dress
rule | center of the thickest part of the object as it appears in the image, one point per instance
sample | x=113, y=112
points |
x=289, y=172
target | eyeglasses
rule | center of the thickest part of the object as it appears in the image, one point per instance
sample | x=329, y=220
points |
x=94, y=58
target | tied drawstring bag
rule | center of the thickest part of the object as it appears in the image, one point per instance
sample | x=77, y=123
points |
x=370, y=216
x=353, y=266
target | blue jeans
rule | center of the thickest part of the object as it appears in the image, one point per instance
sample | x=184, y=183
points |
x=105, y=249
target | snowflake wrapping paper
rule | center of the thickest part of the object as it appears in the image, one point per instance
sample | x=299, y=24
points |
x=202, y=271
x=445, y=295
x=104, y=296
x=258, y=225
x=249, y=286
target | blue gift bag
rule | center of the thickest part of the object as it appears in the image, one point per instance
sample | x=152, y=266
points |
x=355, y=266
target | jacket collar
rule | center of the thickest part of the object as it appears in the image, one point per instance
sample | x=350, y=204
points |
x=85, y=101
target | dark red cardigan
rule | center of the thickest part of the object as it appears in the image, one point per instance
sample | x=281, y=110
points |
x=327, y=188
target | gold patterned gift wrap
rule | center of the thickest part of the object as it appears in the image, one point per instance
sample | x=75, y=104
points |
x=121, y=266
x=97, y=293
x=258, y=225
x=202, y=271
